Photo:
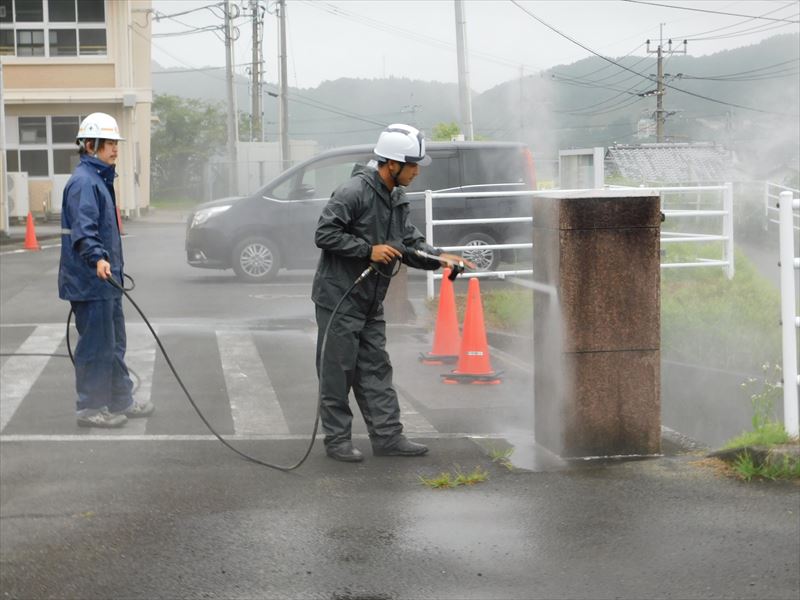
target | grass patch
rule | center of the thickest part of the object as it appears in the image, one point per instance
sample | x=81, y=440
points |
x=747, y=468
x=446, y=480
x=503, y=310
x=501, y=456
x=771, y=434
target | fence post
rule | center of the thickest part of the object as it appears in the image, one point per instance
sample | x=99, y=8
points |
x=727, y=227
x=429, y=237
x=788, y=316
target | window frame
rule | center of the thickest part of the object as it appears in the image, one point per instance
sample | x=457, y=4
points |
x=46, y=25
x=49, y=146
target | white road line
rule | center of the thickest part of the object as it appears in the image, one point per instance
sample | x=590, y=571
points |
x=19, y=373
x=254, y=403
x=141, y=357
x=413, y=421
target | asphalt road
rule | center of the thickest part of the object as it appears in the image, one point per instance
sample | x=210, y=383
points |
x=160, y=509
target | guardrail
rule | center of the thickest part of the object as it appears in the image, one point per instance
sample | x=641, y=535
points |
x=789, y=264
x=772, y=192
x=726, y=212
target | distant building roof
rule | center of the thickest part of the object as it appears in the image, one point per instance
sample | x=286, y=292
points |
x=670, y=163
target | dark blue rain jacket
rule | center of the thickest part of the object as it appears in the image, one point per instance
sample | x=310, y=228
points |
x=90, y=231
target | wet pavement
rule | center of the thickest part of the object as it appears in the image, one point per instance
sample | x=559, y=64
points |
x=155, y=521
x=179, y=516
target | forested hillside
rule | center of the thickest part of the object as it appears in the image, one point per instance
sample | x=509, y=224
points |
x=746, y=98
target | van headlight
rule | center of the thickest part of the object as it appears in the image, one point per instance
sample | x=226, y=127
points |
x=203, y=215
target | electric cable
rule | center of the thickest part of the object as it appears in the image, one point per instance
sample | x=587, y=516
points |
x=577, y=43
x=371, y=269
x=715, y=12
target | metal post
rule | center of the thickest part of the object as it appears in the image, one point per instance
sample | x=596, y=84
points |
x=429, y=236
x=463, y=71
x=4, y=170
x=233, y=132
x=788, y=315
x=286, y=159
x=255, y=91
x=727, y=229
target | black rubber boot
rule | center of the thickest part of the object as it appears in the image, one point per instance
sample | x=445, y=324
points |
x=345, y=452
x=403, y=447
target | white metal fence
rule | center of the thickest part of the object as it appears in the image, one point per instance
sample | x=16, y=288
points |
x=789, y=264
x=772, y=192
x=724, y=210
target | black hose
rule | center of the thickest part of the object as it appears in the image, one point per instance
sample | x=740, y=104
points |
x=199, y=412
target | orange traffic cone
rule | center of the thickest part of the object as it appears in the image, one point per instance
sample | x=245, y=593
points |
x=30, y=235
x=474, y=365
x=446, y=338
x=119, y=221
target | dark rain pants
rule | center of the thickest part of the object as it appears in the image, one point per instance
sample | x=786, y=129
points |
x=101, y=377
x=356, y=358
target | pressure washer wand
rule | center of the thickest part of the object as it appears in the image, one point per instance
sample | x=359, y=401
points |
x=456, y=267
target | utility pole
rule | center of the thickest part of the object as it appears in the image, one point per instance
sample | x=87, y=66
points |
x=255, y=91
x=283, y=126
x=233, y=132
x=463, y=71
x=661, y=114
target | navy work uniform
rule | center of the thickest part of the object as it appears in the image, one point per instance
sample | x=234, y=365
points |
x=90, y=232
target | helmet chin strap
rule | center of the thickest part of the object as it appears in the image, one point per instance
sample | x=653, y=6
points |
x=396, y=175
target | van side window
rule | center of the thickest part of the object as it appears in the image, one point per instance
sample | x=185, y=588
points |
x=441, y=174
x=319, y=180
x=492, y=165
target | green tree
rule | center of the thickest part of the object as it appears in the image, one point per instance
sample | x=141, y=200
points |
x=183, y=137
x=444, y=132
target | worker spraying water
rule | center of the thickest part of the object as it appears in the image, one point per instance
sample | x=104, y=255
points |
x=365, y=229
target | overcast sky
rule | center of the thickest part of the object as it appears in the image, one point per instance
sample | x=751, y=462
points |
x=416, y=39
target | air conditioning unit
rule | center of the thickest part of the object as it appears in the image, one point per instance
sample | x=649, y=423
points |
x=17, y=187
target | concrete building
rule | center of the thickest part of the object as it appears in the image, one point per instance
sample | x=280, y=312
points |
x=60, y=61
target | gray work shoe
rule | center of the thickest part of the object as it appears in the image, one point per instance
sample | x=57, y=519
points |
x=137, y=410
x=344, y=452
x=102, y=418
x=403, y=447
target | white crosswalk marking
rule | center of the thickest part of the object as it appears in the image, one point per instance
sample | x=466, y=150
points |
x=20, y=372
x=141, y=359
x=254, y=404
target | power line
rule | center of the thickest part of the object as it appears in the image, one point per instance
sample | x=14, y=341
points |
x=715, y=12
x=530, y=14
x=692, y=35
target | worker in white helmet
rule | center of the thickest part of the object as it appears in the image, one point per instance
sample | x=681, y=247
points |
x=91, y=253
x=366, y=222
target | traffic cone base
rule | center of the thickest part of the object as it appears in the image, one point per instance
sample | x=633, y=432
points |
x=446, y=338
x=30, y=234
x=428, y=358
x=460, y=378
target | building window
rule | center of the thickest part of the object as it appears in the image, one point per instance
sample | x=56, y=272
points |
x=65, y=129
x=32, y=130
x=63, y=43
x=53, y=28
x=65, y=161
x=45, y=146
x=34, y=162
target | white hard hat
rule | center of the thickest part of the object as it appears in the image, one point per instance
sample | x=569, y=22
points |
x=402, y=143
x=99, y=126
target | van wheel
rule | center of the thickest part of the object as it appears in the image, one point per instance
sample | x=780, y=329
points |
x=485, y=260
x=256, y=260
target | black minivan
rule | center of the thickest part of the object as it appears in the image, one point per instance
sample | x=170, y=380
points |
x=273, y=228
